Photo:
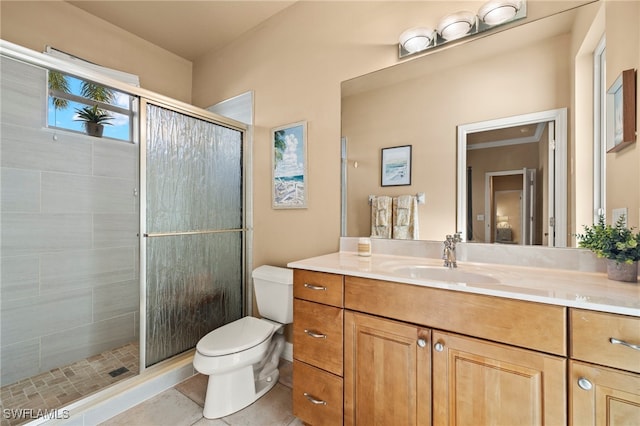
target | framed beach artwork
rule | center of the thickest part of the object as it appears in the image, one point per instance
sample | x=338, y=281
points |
x=396, y=166
x=621, y=111
x=289, y=182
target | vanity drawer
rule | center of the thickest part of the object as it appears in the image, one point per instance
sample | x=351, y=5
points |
x=591, y=334
x=317, y=395
x=317, y=335
x=318, y=287
x=526, y=324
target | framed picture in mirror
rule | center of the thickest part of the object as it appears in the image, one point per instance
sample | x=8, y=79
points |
x=621, y=111
x=396, y=166
x=289, y=166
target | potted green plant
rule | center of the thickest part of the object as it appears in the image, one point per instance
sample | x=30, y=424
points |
x=619, y=245
x=94, y=119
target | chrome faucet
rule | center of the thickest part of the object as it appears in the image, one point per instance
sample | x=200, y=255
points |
x=449, y=252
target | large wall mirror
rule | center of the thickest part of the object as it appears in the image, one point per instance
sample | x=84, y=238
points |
x=504, y=140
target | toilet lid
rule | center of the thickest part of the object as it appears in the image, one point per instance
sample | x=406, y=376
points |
x=235, y=337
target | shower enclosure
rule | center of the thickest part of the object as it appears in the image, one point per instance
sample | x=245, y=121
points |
x=116, y=255
x=194, y=231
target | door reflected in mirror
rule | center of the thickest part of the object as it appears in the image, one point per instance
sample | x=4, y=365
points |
x=521, y=153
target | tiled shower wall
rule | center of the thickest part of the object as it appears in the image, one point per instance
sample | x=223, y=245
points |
x=69, y=246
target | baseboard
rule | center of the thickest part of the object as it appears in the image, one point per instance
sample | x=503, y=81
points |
x=287, y=353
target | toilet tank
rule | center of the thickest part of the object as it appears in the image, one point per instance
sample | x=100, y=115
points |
x=274, y=293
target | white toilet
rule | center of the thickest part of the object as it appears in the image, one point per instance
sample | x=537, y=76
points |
x=241, y=358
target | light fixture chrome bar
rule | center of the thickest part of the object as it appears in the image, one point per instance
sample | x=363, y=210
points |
x=476, y=27
x=175, y=234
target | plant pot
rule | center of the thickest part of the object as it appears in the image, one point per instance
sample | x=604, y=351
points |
x=94, y=129
x=627, y=272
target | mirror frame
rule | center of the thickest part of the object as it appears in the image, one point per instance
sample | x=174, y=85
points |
x=558, y=177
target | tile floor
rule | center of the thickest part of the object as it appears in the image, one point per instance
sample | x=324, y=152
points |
x=63, y=385
x=182, y=406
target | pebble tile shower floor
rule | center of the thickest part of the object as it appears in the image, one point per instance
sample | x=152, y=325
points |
x=61, y=386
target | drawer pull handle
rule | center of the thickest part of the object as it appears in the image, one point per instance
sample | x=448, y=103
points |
x=314, y=400
x=584, y=383
x=315, y=287
x=615, y=341
x=422, y=343
x=439, y=347
x=315, y=334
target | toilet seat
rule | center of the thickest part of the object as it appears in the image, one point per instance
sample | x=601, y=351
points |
x=236, y=336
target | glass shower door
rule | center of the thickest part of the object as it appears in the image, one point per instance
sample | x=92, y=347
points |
x=194, y=238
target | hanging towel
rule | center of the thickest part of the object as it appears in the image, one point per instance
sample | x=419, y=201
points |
x=381, y=207
x=405, y=217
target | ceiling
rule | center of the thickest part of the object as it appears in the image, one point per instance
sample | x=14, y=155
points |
x=186, y=28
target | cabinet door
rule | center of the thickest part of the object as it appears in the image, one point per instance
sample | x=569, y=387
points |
x=479, y=382
x=603, y=396
x=386, y=373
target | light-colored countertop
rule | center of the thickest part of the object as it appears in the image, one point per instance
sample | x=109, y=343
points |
x=586, y=290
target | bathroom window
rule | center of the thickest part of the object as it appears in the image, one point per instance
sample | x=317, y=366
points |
x=69, y=96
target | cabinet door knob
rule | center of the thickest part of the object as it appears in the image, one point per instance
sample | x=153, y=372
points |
x=422, y=343
x=439, y=347
x=314, y=400
x=315, y=334
x=315, y=287
x=584, y=383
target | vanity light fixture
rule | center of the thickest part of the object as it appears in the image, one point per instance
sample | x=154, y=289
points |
x=456, y=25
x=461, y=24
x=416, y=39
x=496, y=12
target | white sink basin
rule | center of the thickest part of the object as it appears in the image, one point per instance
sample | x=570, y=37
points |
x=441, y=273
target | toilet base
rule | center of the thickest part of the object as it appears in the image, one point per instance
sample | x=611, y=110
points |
x=230, y=392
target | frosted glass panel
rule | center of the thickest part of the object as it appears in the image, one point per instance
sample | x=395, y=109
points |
x=193, y=287
x=194, y=173
x=194, y=185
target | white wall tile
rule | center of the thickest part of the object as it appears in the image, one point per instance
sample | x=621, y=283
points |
x=67, y=193
x=20, y=277
x=24, y=91
x=70, y=270
x=116, y=230
x=37, y=233
x=115, y=159
x=20, y=190
x=117, y=299
x=28, y=318
x=71, y=345
x=19, y=360
x=35, y=149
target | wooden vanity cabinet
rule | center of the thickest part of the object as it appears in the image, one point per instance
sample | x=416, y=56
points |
x=477, y=372
x=481, y=382
x=318, y=347
x=377, y=352
x=604, y=374
x=387, y=368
